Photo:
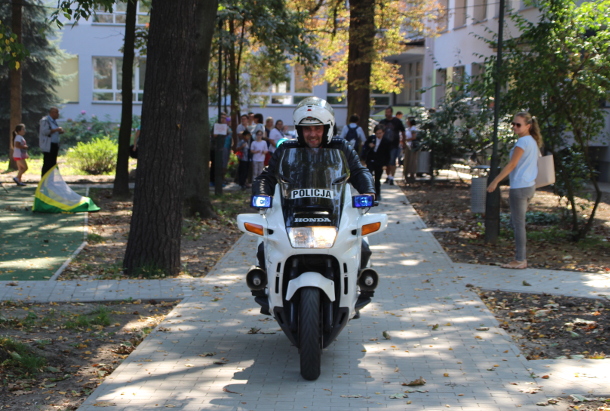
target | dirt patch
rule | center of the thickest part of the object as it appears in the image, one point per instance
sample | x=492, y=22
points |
x=52, y=356
x=547, y=326
x=204, y=241
x=446, y=206
x=555, y=327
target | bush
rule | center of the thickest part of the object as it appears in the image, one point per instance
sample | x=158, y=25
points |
x=96, y=157
x=84, y=130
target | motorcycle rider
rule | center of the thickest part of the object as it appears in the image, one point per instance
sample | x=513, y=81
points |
x=314, y=120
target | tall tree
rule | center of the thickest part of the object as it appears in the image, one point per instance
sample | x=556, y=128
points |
x=260, y=38
x=361, y=54
x=197, y=156
x=35, y=56
x=121, y=178
x=155, y=231
x=355, y=37
x=15, y=79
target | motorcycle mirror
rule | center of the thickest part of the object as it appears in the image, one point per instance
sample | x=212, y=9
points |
x=362, y=201
x=261, y=201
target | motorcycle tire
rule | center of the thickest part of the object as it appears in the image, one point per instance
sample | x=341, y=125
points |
x=310, y=333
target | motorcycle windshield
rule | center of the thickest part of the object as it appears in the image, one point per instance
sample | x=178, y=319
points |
x=312, y=182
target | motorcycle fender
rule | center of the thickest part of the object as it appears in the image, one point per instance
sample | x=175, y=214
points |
x=311, y=279
x=375, y=218
x=257, y=219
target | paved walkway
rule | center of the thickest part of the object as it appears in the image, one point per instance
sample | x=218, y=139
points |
x=466, y=367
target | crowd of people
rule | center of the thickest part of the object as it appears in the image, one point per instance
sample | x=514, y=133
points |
x=255, y=141
x=257, y=138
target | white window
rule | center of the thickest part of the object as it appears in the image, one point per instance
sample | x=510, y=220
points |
x=413, y=83
x=480, y=11
x=460, y=15
x=108, y=77
x=118, y=14
x=297, y=88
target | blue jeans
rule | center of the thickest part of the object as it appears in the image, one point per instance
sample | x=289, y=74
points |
x=519, y=198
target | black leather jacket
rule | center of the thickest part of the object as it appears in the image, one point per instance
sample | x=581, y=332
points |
x=360, y=177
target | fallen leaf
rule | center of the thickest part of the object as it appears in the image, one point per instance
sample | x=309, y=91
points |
x=419, y=381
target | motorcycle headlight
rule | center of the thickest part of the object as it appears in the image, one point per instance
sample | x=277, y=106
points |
x=312, y=237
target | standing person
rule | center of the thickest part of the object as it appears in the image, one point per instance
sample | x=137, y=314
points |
x=49, y=139
x=394, y=132
x=243, y=153
x=399, y=115
x=522, y=169
x=226, y=149
x=268, y=126
x=377, y=150
x=243, y=125
x=259, y=149
x=411, y=149
x=250, y=120
x=276, y=134
x=20, y=153
x=353, y=133
x=314, y=119
x=221, y=147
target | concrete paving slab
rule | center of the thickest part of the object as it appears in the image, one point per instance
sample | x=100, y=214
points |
x=422, y=303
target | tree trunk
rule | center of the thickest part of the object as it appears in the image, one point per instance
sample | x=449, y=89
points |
x=233, y=85
x=197, y=157
x=15, y=83
x=121, y=178
x=154, y=237
x=360, y=57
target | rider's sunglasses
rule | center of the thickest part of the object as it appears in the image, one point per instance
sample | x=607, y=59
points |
x=516, y=124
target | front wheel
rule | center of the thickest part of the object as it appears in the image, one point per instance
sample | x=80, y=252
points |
x=310, y=333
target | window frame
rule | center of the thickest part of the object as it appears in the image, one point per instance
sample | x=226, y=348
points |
x=142, y=17
x=115, y=90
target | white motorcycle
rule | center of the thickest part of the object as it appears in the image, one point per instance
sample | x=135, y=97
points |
x=312, y=276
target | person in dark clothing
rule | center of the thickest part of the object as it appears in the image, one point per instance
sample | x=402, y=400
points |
x=48, y=138
x=377, y=155
x=314, y=119
x=395, y=132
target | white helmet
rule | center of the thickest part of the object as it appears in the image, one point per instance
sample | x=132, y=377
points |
x=314, y=111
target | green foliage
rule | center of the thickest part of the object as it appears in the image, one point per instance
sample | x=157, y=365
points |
x=96, y=157
x=541, y=218
x=19, y=357
x=84, y=130
x=11, y=51
x=572, y=171
x=93, y=238
x=100, y=316
x=462, y=127
x=77, y=9
x=259, y=38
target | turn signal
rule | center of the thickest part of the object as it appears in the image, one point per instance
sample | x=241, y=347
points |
x=254, y=228
x=370, y=228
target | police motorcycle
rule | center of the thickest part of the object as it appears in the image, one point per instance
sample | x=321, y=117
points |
x=313, y=278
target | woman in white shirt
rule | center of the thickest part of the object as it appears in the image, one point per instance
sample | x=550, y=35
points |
x=522, y=169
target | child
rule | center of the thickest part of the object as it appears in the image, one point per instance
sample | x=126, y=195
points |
x=243, y=153
x=20, y=152
x=258, y=149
